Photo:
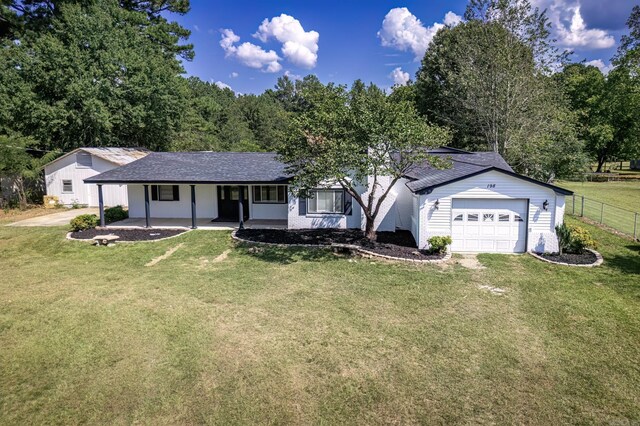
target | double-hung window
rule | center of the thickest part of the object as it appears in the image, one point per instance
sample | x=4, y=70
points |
x=326, y=201
x=67, y=186
x=270, y=194
x=165, y=192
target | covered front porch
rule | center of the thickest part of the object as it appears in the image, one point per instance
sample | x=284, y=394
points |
x=203, y=205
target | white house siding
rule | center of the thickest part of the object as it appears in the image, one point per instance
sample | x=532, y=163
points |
x=416, y=203
x=66, y=169
x=266, y=210
x=317, y=220
x=541, y=223
x=206, y=203
x=404, y=205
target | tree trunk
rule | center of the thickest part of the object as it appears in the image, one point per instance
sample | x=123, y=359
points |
x=22, y=195
x=601, y=162
x=369, y=229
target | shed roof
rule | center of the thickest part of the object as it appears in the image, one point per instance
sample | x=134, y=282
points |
x=198, y=167
x=115, y=155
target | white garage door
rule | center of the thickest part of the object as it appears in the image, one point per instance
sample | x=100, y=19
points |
x=489, y=225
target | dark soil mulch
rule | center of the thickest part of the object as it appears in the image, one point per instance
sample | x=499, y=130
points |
x=396, y=244
x=585, y=258
x=128, y=234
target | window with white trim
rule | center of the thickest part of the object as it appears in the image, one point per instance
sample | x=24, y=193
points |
x=326, y=201
x=270, y=194
x=67, y=186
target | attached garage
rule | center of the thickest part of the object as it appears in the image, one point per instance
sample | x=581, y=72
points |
x=489, y=225
x=483, y=205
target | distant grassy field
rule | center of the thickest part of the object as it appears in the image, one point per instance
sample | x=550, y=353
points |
x=625, y=195
x=221, y=334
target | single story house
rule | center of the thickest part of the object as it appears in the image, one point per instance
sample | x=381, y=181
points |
x=64, y=176
x=479, y=200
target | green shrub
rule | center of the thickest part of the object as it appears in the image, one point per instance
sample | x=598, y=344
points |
x=114, y=214
x=438, y=244
x=84, y=222
x=573, y=239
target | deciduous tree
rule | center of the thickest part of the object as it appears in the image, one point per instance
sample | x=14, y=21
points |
x=356, y=138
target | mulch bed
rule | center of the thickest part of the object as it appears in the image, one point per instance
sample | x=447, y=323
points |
x=585, y=258
x=128, y=234
x=397, y=244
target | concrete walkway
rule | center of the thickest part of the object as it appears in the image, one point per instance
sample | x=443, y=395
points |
x=56, y=218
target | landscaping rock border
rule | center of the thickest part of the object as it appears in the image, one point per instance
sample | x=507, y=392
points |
x=363, y=252
x=598, y=261
x=109, y=230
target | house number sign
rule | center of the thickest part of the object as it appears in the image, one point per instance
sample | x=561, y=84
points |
x=491, y=185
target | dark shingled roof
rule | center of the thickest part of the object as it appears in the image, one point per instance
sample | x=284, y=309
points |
x=198, y=167
x=425, y=177
x=263, y=167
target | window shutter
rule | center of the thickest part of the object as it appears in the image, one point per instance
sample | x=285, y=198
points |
x=348, y=203
x=302, y=206
x=154, y=192
x=176, y=193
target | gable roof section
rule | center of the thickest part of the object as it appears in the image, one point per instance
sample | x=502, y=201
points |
x=198, y=167
x=119, y=156
x=115, y=155
x=424, y=178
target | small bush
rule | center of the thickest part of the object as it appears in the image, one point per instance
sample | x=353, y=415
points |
x=114, y=214
x=438, y=244
x=84, y=222
x=573, y=239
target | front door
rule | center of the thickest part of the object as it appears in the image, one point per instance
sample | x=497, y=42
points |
x=228, y=208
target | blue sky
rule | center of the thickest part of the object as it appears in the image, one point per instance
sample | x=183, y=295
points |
x=377, y=41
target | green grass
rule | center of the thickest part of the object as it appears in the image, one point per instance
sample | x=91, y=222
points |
x=91, y=335
x=625, y=195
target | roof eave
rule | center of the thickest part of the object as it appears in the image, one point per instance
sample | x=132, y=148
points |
x=430, y=188
x=183, y=182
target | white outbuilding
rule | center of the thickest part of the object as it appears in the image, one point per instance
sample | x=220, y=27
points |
x=64, y=176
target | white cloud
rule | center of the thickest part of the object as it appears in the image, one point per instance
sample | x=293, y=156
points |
x=402, y=30
x=249, y=54
x=197, y=28
x=292, y=76
x=599, y=63
x=222, y=85
x=399, y=77
x=570, y=28
x=299, y=47
x=451, y=19
x=233, y=74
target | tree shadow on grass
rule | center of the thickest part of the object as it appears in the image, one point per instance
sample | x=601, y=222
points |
x=289, y=255
x=626, y=263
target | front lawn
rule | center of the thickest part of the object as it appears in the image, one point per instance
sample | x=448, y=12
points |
x=211, y=333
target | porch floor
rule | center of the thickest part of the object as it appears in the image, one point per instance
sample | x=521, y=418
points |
x=206, y=224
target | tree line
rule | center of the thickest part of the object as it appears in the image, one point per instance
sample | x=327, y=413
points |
x=109, y=73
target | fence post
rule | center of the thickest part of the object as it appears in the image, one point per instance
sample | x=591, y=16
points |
x=635, y=226
x=582, y=207
x=573, y=206
x=601, y=213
